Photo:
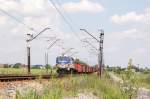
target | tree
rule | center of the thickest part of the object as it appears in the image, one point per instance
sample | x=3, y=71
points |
x=17, y=65
x=48, y=66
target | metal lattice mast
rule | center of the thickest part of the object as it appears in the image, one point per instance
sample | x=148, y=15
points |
x=100, y=50
x=101, y=59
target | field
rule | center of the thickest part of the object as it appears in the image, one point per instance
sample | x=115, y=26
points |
x=141, y=79
x=24, y=71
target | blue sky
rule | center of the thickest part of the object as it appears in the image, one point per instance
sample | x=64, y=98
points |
x=126, y=25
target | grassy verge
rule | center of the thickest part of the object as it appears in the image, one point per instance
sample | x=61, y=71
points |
x=71, y=86
x=143, y=80
x=24, y=71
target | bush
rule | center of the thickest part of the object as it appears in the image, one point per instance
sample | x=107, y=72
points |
x=35, y=67
x=48, y=67
x=17, y=65
x=129, y=85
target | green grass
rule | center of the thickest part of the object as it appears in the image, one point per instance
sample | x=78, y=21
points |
x=71, y=86
x=142, y=79
x=24, y=71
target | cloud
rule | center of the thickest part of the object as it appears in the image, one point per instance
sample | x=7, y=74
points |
x=83, y=6
x=37, y=14
x=26, y=8
x=33, y=13
x=115, y=41
x=130, y=34
x=125, y=44
x=3, y=20
x=132, y=17
x=138, y=52
x=10, y=5
x=133, y=41
x=140, y=56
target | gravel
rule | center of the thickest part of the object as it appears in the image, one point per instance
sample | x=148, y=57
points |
x=143, y=93
x=87, y=95
x=10, y=89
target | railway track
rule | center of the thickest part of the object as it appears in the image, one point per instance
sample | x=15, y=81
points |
x=23, y=77
x=13, y=77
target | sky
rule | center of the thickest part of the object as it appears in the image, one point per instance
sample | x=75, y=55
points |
x=125, y=23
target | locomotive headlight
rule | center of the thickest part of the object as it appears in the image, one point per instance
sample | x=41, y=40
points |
x=68, y=68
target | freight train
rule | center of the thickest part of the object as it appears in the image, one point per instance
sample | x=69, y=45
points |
x=68, y=65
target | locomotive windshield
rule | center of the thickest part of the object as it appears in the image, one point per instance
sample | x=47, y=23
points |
x=63, y=60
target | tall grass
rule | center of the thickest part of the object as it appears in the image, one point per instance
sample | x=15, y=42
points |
x=71, y=86
x=143, y=80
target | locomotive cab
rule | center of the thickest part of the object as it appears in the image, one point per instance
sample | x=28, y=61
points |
x=65, y=64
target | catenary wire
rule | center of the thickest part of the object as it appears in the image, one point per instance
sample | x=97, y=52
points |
x=64, y=18
x=17, y=20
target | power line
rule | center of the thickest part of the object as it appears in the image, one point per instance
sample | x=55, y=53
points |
x=17, y=20
x=100, y=54
x=67, y=22
x=66, y=14
x=65, y=19
x=73, y=23
x=90, y=44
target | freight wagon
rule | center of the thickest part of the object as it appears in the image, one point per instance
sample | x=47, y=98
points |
x=67, y=65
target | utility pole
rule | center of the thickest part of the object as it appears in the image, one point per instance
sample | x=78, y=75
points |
x=46, y=52
x=100, y=50
x=100, y=55
x=29, y=39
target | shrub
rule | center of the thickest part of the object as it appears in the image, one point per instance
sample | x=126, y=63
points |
x=17, y=65
x=129, y=85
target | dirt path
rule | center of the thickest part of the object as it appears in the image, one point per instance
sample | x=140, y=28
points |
x=143, y=93
x=115, y=78
x=86, y=95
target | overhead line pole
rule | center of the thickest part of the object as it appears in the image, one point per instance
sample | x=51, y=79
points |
x=51, y=45
x=39, y=34
x=46, y=53
x=29, y=39
x=100, y=50
x=90, y=34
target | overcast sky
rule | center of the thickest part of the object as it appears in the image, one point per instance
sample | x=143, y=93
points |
x=126, y=25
